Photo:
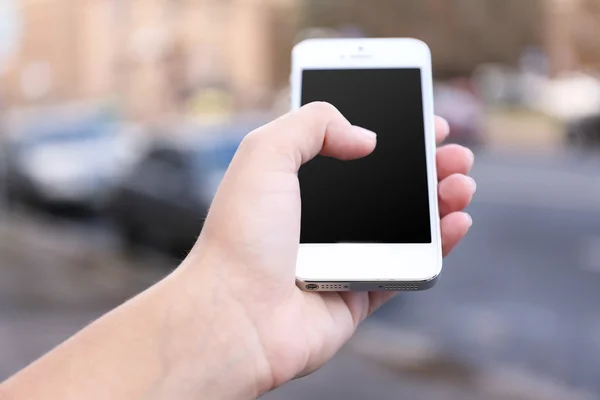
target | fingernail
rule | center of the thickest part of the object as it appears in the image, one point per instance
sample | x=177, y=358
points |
x=445, y=126
x=471, y=156
x=473, y=184
x=364, y=132
x=470, y=219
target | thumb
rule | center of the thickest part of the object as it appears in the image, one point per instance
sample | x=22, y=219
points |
x=294, y=139
x=255, y=216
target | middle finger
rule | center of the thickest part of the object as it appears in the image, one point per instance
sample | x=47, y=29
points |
x=455, y=193
x=453, y=159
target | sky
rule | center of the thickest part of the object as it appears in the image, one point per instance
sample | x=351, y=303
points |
x=9, y=27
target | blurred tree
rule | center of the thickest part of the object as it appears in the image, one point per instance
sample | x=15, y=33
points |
x=461, y=33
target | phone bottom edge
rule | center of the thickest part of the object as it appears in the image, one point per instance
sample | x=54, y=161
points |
x=366, y=286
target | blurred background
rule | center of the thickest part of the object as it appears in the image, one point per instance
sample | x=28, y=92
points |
x=118, y=119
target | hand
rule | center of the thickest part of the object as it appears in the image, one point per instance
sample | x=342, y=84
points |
x=248, y=248
x=230, y=322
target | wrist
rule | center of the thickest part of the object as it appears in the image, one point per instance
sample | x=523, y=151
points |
x=210, y=345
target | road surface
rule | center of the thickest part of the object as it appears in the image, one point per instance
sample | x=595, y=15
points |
x=515, y=315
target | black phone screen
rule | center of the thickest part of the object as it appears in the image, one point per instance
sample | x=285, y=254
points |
x=382, y=198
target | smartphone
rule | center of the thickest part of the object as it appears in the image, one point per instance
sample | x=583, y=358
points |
x=370, y=224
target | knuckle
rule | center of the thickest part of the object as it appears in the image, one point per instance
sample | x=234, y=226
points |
x=260, y=147
x=322, y=109
x=250, y=141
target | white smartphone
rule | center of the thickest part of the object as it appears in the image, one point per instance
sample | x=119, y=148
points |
x=370, y=224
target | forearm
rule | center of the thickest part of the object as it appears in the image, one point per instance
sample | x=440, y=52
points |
x=114, y=357
x=156, y=346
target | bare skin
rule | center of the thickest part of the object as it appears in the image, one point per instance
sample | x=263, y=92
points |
x=230, y=323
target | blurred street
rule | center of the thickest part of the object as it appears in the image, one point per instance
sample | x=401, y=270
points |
x=118, y=120
x=514, y=316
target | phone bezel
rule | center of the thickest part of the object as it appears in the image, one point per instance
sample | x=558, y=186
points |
x=372, y=262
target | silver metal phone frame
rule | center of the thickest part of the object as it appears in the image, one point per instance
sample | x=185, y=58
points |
x=366, y=286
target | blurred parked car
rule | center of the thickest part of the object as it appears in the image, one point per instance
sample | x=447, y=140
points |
x=569, y=97
x=71, y=165
x=458, y=103
x=164, y=201
x=574, y=100
x=584, y=133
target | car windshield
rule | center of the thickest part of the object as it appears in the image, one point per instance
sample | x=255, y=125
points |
x=215, y=157
x=65, y=134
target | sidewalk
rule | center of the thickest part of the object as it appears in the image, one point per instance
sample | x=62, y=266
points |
x=523, y=130
x=385, y=365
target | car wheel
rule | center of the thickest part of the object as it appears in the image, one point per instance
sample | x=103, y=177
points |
x=132, y=241
x=11, y=200
x=583, y=136
x=179, y=250
x=575, y=139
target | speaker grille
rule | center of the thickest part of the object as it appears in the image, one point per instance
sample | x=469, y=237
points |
x=399, y=287
x=337, y=287
x=333, y=287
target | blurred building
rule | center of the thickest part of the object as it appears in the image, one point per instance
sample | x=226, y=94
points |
x=571, y=32
x=152, y=56
x=157, y=57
